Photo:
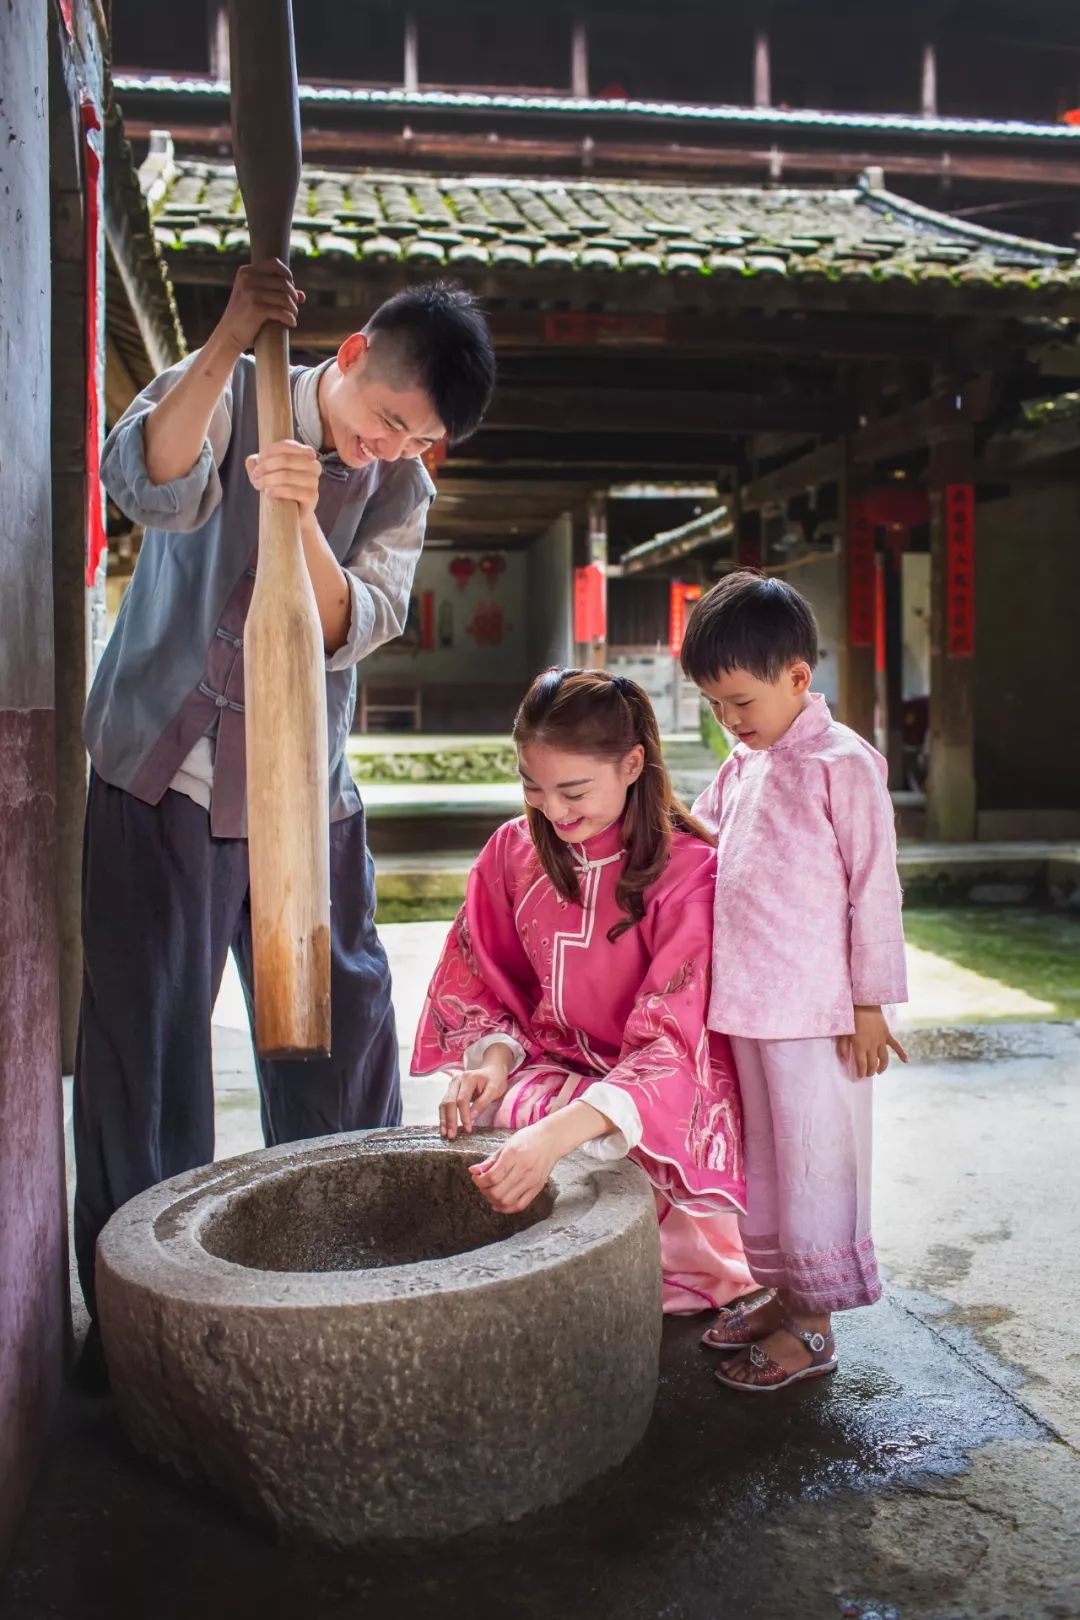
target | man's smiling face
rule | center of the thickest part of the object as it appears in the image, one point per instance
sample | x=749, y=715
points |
x=371, y=410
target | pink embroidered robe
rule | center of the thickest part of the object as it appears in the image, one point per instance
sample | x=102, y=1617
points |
x=619, y=1024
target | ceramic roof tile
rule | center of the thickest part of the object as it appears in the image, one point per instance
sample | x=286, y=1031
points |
x=861, y=234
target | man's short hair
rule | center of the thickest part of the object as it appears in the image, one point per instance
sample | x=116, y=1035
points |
x=443, y=346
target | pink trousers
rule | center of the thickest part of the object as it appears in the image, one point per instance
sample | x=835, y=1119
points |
x=807, y=1131
x=702, y=1259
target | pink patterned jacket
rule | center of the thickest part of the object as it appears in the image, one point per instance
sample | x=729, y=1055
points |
x=807, y=916
x=620, y=1024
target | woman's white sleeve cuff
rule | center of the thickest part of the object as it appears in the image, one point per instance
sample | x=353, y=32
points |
x=619, y=1107
x=475, y=1054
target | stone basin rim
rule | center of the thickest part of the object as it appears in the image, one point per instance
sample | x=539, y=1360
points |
x=587, y=1200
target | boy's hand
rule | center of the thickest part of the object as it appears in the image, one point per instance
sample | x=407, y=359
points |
x=261, y=292
x=289, y=471
x=470, y=1092
x=868, y=1048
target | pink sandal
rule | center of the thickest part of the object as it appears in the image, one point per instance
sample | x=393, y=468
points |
x=769, y=1376
x=734, y=1330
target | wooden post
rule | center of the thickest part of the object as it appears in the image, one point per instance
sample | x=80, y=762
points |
x=929, y=81
x=579, y=60
x=951, y=796
x=412, y=54
x=598, y=554
x=855, y=634
x=219, y=40
x=762, y=70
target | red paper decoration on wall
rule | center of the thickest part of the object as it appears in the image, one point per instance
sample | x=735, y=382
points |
x=462, y=570
x=487, y=625
x=491, y=565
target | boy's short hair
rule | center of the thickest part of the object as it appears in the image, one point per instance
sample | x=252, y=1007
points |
x=751, y=622
x=444, y=346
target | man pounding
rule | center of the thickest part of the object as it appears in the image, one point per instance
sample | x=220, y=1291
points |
x=165, y=868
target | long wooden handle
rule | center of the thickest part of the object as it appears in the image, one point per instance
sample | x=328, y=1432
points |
x=284, y=666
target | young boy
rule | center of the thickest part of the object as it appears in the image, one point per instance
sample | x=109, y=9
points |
x=165, y=892
x=809, y=949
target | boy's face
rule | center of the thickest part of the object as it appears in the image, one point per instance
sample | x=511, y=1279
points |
x=758, y=712
x=365, y=419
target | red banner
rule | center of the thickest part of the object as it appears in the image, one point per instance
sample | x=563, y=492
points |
x=960, y=570
x=861, y=575
x=427, y=621
x=590, y=603
x=95, y=525
x=682, y=598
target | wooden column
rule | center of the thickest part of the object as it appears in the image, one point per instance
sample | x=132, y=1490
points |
x=855, y=632
x=951, y=796
x=72, y=602
x=762, y=70
x=579, y=59
x=590, y=552
x=598, y=556
x=929, y=81
x=219, y=40
x=411, y=72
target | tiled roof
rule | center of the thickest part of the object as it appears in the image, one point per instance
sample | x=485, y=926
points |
x=616, y=109
x=434, y=222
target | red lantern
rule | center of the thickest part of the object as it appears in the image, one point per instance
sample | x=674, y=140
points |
x=462, y=570
x=897, y=506
x=491, y=566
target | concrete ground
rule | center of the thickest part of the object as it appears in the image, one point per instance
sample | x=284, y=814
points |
x=936, y=1477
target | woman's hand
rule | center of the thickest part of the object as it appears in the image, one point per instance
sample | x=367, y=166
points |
x=513, y=1176
x=868, y=1049
x=474, y=1090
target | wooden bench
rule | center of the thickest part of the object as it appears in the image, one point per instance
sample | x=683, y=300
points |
x=379, y=703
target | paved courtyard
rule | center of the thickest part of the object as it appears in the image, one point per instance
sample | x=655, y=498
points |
x=936, y=1477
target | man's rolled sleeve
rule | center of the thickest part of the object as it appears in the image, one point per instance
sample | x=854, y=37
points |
x=183, y=504
x=380, y=569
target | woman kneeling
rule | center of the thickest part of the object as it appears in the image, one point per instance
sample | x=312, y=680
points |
x=569, y=1003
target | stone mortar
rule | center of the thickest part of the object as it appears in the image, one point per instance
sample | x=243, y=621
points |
x=343, y=1338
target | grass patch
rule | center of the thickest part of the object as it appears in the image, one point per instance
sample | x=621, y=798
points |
x=1033, y=951
x=422, y=909
x=482, y=763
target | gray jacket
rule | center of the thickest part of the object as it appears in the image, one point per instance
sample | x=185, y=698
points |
x=173, y=669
